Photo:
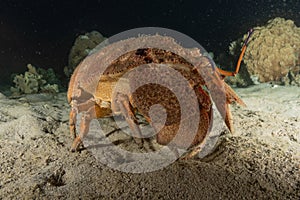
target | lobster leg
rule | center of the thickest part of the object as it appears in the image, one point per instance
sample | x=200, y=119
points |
x=237, y=68
x=195, y=150
x=228, y=119
x=127, y=111
x=84, y=127
x=72, y=122
x=75, y=109
x=230, y=98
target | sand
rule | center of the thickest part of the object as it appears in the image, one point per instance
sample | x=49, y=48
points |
x=261, y=160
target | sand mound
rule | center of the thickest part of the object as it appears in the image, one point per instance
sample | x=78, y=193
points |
x=261, y=160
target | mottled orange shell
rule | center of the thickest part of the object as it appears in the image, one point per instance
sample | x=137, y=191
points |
x=95, y=79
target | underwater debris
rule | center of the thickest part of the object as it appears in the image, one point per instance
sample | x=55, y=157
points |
x=273, y=52
x=81, y=48
x=32, y=81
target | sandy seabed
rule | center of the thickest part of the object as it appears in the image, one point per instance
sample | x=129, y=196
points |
x=261, y=160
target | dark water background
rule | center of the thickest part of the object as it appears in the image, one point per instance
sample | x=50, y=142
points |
x=42, y=32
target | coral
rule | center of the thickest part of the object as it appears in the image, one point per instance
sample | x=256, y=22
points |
x=81, y=48
x=274, y=51
x=49, y=75
x=32, y=82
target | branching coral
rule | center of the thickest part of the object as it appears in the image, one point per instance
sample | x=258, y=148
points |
x=32, y=82
x=274, y=51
